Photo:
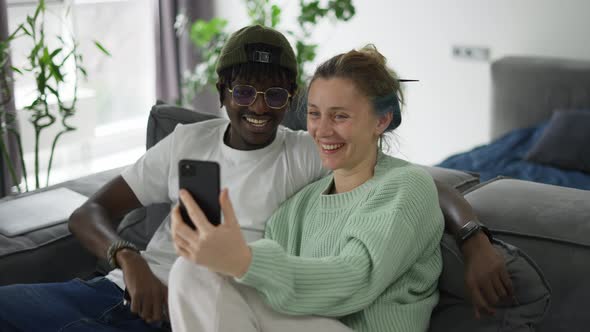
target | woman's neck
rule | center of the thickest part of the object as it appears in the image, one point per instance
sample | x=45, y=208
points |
x=347, y=180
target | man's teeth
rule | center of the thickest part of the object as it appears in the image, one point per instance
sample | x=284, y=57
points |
x=331, y=146
x=256, y=122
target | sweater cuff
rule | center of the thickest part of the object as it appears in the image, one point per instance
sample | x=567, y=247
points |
x=263, y=252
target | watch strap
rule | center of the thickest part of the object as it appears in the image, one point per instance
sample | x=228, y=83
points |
x=468, y=230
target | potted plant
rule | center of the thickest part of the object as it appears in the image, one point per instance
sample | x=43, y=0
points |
x=210, y=36
x=54, y=68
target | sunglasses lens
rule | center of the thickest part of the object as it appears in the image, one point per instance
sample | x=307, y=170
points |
x=244, y=95
x=276, y=97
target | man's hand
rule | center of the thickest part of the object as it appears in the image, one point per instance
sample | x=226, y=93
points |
x=220, y=248
x=486, y=278
x=149, y=296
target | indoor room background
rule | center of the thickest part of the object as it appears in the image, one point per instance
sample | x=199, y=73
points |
x=447, y=45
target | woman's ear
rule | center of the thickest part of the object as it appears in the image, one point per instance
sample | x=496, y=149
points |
x=383, y=122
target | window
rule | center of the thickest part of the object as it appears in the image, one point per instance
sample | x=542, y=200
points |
x=114, y=102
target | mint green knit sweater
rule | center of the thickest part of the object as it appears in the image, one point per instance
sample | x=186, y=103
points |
x=369, y=257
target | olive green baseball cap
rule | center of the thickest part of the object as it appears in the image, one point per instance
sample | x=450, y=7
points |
x=257, y=43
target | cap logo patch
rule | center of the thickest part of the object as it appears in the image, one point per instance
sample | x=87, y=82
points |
x=260, y=56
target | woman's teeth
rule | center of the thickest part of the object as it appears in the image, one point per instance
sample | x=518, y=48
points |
x=256, y=122
x=332, y=146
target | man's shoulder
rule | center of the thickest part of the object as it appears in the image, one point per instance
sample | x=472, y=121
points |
x=207, y=125
x=200, y=129
x=299, y=135
x=297, y=140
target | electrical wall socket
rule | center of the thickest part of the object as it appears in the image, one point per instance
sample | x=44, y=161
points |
x=476, y=53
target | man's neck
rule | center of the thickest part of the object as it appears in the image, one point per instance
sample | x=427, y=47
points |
x=235, y=142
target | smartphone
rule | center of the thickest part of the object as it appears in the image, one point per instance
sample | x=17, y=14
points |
x=201, y=179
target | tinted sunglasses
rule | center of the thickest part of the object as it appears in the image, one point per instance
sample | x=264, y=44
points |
x=245, y=95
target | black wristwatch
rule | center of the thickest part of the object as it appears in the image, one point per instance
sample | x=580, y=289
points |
x=470, y=229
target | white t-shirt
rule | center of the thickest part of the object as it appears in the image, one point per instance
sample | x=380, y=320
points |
x=258, y=180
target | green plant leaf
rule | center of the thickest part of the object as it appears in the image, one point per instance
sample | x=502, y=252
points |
x=16, y=70
x=41, y=82
x=203, y=32
x=83, y=71
x=31, y=22
x=311, y=11
x=40, y=8
x=26, y=31
x=65, y=58
x=13, y=35
x=34, y=51
x=305, y=52
x=275, y=16
x=100, y=47
x=343, y=9
x=55, y=72
x=55, y=52
x=55, y=93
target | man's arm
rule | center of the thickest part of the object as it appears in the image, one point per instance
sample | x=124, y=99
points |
x=95, y=225
x=486, y=276
x=96, y=221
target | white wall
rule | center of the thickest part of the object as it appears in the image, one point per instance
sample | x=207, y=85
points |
x=448, y=111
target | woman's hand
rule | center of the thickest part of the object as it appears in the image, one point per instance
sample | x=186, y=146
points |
x=486, y=277
x=220, y=248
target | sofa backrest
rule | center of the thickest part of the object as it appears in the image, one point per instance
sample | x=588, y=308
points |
x=164, y=118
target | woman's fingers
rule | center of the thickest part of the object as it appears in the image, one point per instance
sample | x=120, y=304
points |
x=195, y=212
x=179, y=228
x=229, y=215
x=181, y=243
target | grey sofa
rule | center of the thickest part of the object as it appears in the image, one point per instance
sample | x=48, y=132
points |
x=549, y=223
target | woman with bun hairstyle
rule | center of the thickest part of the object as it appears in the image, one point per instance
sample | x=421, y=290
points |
x=356, y=250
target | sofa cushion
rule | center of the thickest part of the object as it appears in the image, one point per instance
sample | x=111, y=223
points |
x=565, y=142
x=552, y=225
x=454, y=311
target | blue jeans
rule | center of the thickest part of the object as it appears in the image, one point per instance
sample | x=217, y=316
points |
x=76, y=305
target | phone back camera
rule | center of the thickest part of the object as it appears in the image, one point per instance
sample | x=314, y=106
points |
x=187, y=170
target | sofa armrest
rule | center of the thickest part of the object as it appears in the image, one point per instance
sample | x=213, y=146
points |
x=52, y=253
x=552, y=225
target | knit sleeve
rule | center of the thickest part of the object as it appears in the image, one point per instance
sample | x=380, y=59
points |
x=379, y=245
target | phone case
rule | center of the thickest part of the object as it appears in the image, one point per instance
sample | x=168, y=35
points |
x=201, y=179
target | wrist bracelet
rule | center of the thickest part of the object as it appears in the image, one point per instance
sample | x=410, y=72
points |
x=115, y=247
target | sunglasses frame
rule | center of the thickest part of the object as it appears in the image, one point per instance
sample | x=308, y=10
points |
x=289, y=95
